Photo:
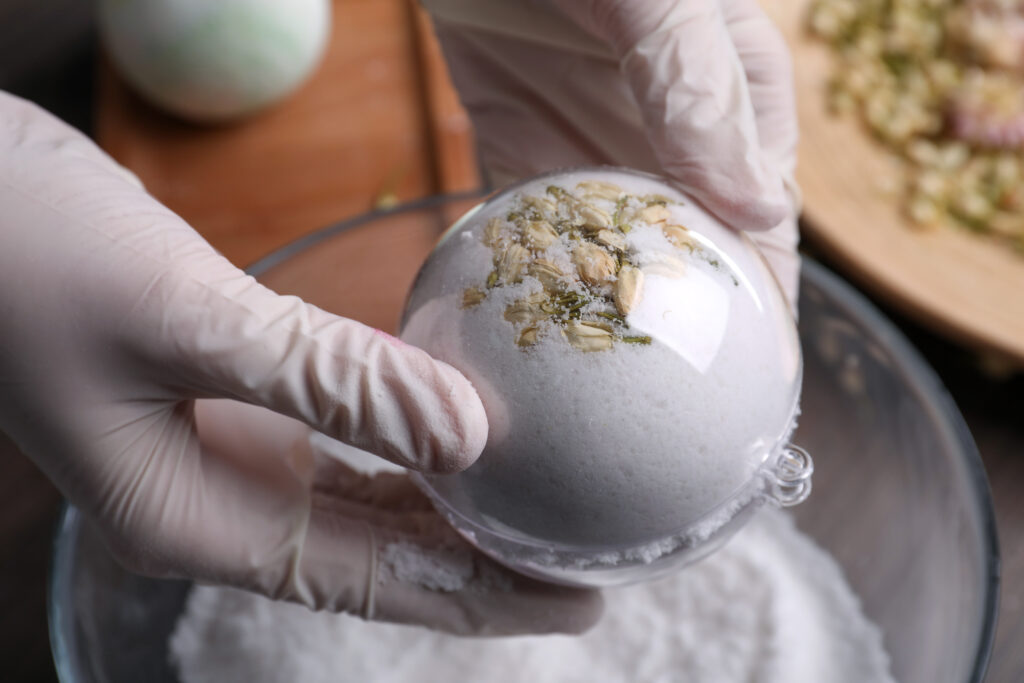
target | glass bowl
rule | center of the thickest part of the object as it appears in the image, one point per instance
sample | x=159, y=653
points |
x=640, y=370
x=900, y=496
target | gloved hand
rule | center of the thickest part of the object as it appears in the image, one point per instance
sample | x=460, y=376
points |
x=118, y=320
x=697, y=90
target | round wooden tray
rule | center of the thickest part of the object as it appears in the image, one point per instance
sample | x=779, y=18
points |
x=961, y=284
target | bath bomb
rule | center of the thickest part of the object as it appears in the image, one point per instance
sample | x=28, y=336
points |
x=636, y=359
x=214, y=61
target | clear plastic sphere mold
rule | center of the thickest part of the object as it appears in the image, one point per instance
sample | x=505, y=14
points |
x=639, y=367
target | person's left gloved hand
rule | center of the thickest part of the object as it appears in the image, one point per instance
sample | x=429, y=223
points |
x=423, y=572
x=121, y=329
x=699, y=91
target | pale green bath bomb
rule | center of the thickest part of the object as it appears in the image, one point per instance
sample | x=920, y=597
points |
x=214, y=61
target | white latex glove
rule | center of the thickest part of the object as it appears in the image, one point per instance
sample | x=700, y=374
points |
x=117, y=317
x=697, y=90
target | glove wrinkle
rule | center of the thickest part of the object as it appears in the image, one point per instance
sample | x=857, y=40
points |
x=372, y=575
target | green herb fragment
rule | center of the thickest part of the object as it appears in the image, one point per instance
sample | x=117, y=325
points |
x=897, y=63
x=611, y=316
x=618, y=214
x=636, y=340
x=556, y=191
x=492, y=279
x=569, y=297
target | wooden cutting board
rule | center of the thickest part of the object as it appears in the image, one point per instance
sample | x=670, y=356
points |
x=378, y=121
x=965, y=286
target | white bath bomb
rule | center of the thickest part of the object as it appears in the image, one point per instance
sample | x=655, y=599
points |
x=214, y=61
x=636, y=359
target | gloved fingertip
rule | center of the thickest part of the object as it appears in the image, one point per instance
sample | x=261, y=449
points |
x=468, y=425
x=745, y=193
x=586, y=610
x=739, y=213
x=546, y=609
x=413, y=410
x=763, y=214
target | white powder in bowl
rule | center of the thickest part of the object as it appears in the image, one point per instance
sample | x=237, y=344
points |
x=667, y=408
x=771, y=607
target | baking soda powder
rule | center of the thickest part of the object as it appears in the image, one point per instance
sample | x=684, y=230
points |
x=770, y=607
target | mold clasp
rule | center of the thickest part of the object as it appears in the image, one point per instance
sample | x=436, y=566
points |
x=789, y=477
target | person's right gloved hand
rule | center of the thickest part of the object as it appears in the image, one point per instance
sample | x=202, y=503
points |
x=120, y=323
x=699, y=91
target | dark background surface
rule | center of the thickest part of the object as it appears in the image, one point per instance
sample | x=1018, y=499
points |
x=990, y=397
